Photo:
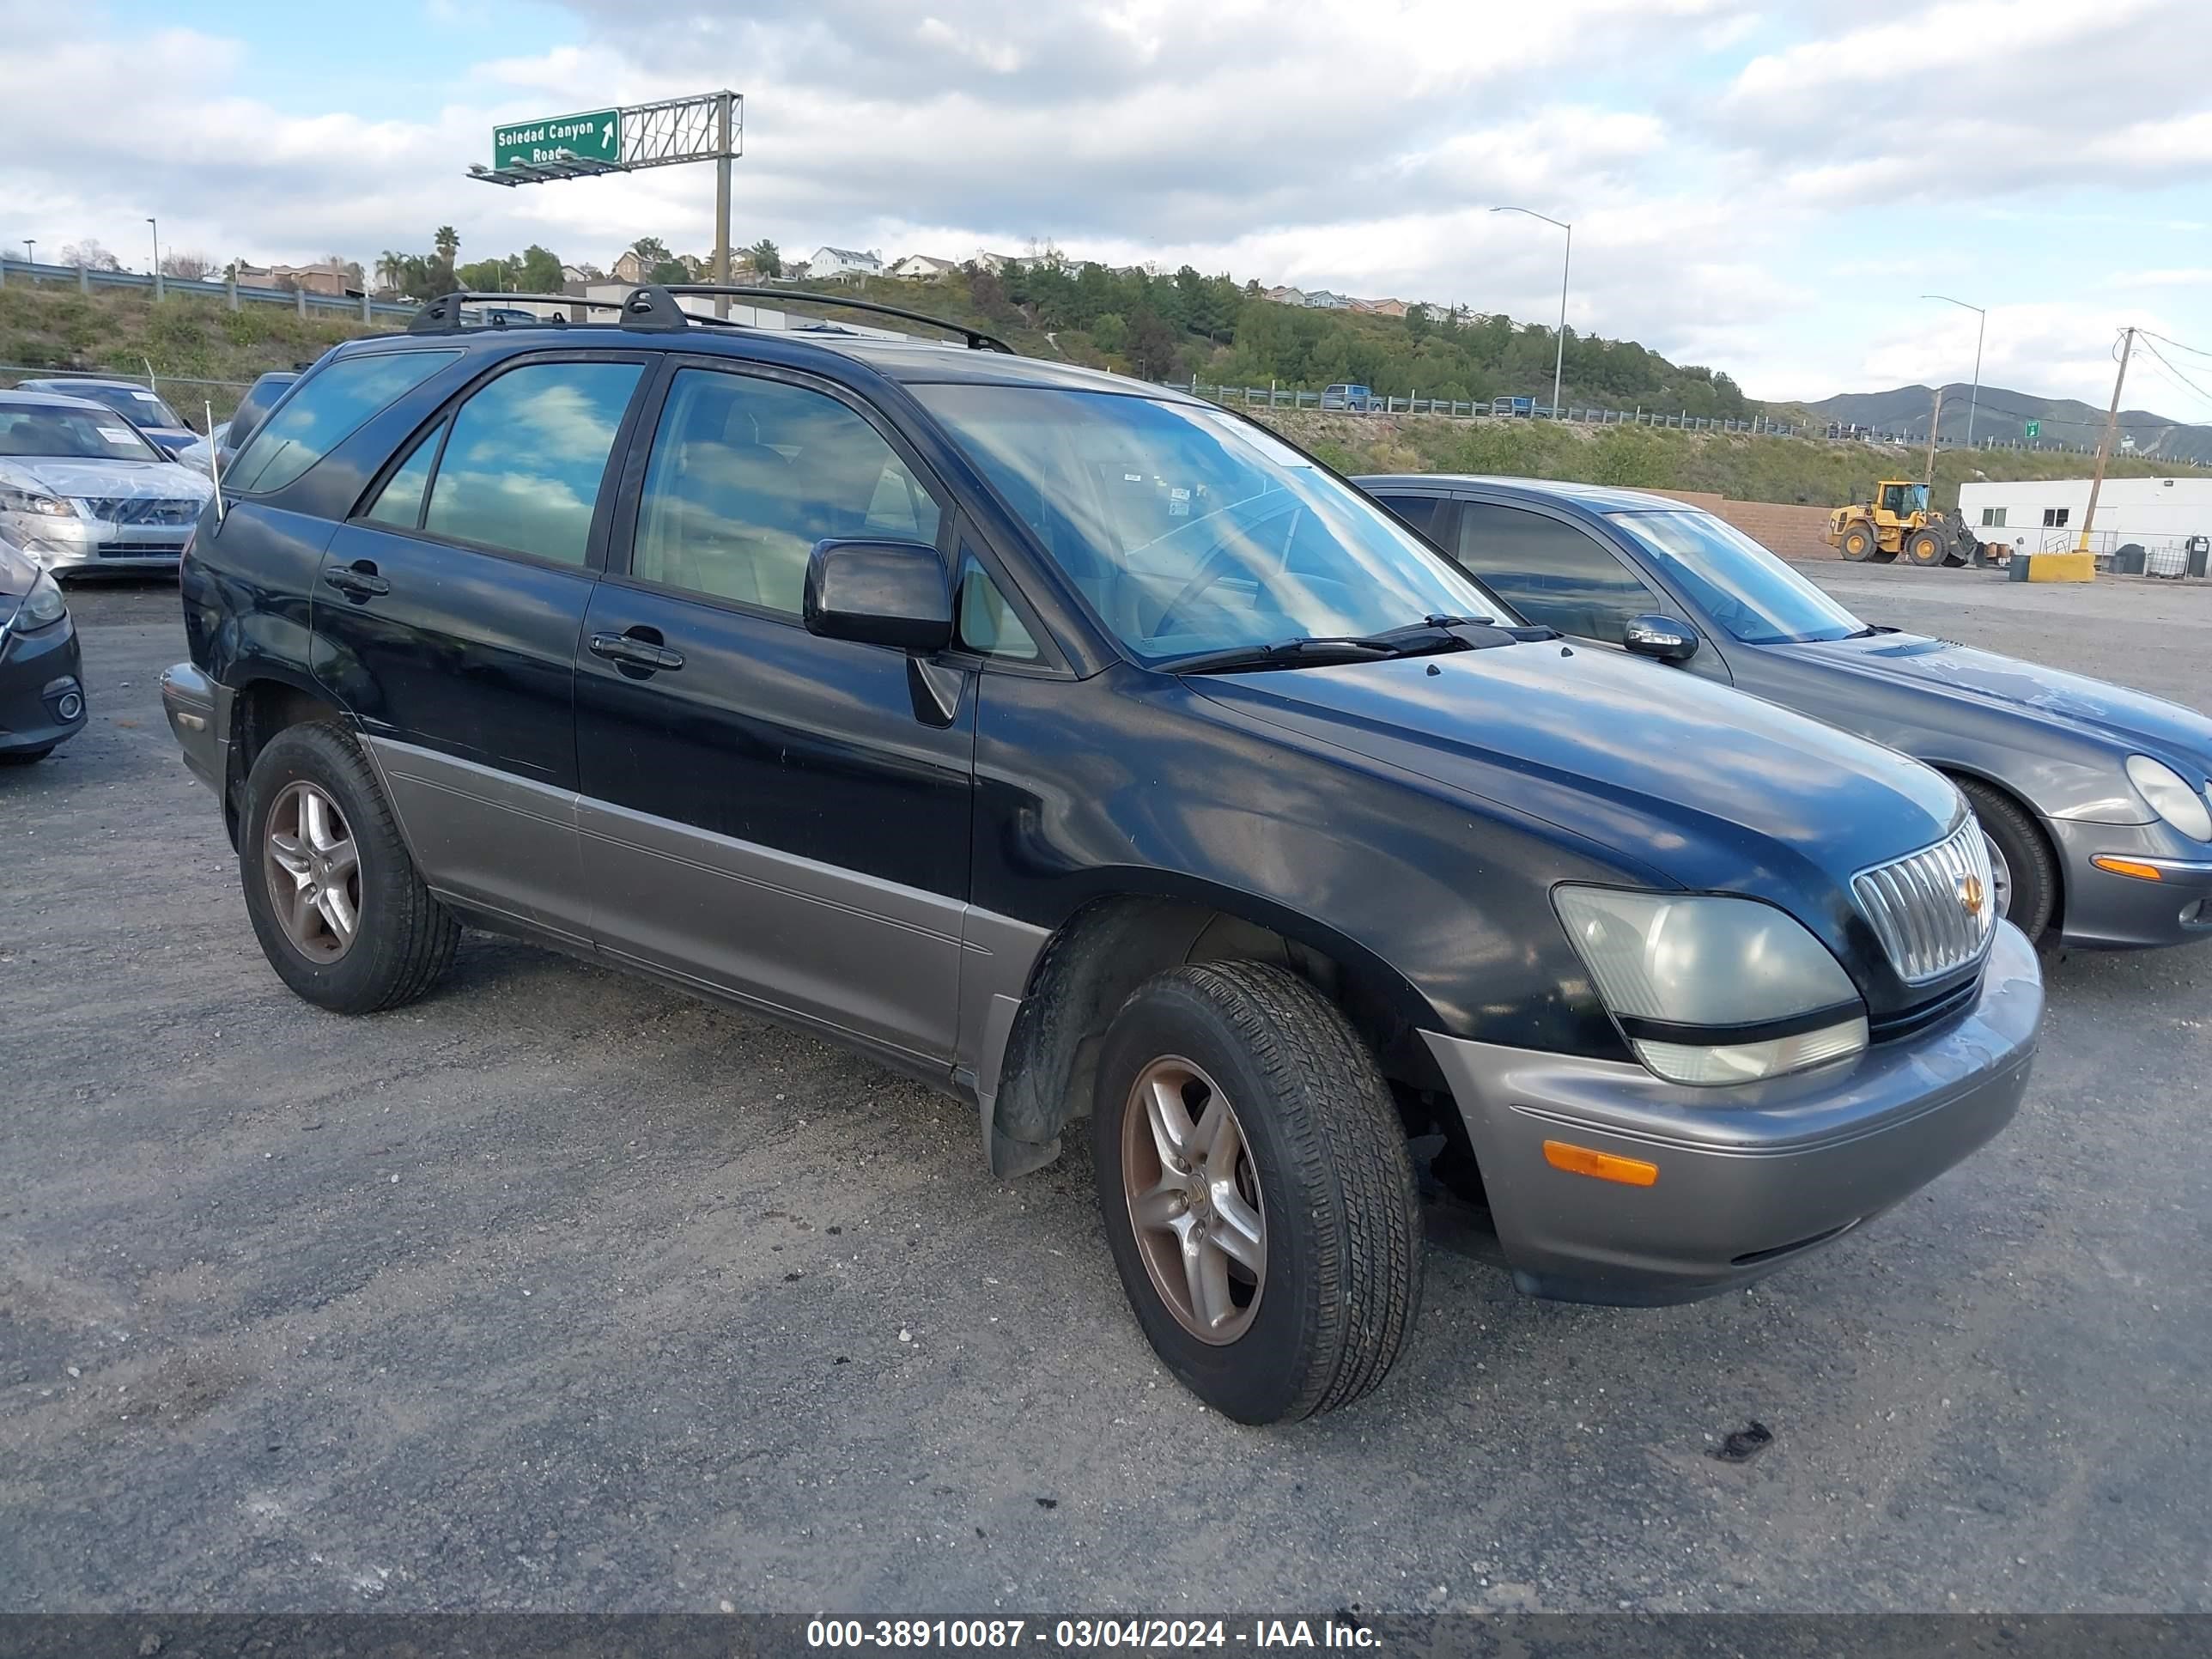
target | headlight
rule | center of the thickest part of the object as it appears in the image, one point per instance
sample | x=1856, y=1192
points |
x=2167, y=795
x=42, y=605
x=33, y=501
x=1713, y=990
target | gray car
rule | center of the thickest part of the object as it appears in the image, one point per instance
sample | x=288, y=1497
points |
x=83, y=489
x=2094, y=798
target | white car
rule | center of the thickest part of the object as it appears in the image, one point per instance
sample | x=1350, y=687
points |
x=81, y=490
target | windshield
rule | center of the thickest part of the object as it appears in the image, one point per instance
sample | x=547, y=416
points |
x=1741, y=585
x=47, y=429
x=141, y=405
x=1192, y=532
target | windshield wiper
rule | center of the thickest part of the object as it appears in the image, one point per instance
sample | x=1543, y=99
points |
x=1302, y=653
x=1430, y=633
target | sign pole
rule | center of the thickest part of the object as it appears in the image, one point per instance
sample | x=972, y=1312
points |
x=722, y=200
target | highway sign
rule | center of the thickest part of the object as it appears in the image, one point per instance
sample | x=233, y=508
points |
x=593, y=135
x=2035, y=428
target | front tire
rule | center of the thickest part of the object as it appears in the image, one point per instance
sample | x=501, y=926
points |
x=1926, y=548
x=1258, y=1194
x=2020, y=861
x=341, y=911
x=1858, y=543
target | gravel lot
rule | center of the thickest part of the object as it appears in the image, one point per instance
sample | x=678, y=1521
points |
x=563, y=1291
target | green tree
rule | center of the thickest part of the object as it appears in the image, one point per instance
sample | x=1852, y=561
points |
x=766, y=257
x=538, y=271
x=1110, y=332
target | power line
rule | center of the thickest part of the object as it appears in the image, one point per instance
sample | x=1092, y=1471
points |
x=2194, y=351
x=2176, y=373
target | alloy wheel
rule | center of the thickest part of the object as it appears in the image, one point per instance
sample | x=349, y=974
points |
x=2000, y=877
x=313, y=869
x=1193, y=1200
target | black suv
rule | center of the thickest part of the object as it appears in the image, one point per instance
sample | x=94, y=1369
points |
x=1085, y=751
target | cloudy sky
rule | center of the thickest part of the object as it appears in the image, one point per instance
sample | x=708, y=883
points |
x=1767, y=186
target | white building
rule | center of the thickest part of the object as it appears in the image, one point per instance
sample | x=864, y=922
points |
x=922, y=268
x=844, y=262
x=2045, y=515
x=984, y=259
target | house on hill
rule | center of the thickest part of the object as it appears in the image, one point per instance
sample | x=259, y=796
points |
x=846, y=263
x=922, y=268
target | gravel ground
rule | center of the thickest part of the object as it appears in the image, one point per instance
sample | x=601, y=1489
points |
x=560, y=1291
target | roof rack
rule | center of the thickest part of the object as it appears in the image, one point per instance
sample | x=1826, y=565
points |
x=443, y=314
x=976, y=339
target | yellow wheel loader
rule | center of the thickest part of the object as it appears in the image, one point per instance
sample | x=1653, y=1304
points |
x=1899, y=520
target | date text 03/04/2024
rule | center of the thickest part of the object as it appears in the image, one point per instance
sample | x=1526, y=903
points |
x=1087, y=1633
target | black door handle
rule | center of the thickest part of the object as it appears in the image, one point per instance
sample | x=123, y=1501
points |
x=357, y=580
x=629, y=651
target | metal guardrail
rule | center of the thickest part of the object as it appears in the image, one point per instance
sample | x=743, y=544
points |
x=234, y=294
x=1276, y=397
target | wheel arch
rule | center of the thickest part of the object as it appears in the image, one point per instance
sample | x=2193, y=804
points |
x=1959, y=772
x=261, y=706
x=1115, y=942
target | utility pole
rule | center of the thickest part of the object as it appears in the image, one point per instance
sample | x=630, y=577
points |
x=157, y=254
x=1566, y=260
x=2104, y=443
x=1935, y=421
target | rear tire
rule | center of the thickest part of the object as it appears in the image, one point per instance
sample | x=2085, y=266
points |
x=315, y=821
x=1322, y=1169
x=1925, y=548
x=2029, y=877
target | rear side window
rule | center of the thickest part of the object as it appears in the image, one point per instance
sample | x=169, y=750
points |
x=1417, y=511
x=330, y=408
x=522, y=468
x=748, y=474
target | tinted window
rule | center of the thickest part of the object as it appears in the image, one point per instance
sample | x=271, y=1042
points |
x=400, y=501
x=987, y=623
x=1551, y=572
x=255, y=405
x=141, y=405
x=330, y=408
x=748, y=474
x=522, y=468
x=1418, y=511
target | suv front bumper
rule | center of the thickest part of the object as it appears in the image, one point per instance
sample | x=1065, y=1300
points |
x=1749, y=1177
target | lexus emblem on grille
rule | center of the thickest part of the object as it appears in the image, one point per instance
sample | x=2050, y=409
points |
x=1970, y=895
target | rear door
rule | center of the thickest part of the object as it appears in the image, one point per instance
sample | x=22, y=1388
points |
x=446, y=618
x=779, y=818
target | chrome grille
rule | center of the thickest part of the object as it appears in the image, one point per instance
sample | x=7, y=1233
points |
x=1919, y=907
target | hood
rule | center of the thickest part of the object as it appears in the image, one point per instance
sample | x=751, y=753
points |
x=1702, y=784
x=100, y=475
x=2093, y=708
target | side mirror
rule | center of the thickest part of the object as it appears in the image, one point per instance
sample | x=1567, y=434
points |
x=893, y=593
x=1662, y=637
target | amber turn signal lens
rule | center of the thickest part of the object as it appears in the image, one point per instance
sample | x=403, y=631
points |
x=2127, y=867
x=1605, y=1166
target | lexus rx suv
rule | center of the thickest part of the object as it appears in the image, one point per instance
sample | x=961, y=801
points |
x=1092, y=753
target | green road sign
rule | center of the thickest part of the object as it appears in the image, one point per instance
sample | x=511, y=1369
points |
x=593, y=135
x=2035, y=428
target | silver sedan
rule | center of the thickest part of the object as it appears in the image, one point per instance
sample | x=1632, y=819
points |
x=81, y=490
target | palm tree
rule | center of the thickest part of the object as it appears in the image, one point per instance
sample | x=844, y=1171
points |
x=447, y=241
x=391, y=267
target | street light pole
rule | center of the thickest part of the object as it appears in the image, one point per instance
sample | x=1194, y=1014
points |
x=30, y=250
x=1974, y=401
x=1559, y=357
x=157, y=255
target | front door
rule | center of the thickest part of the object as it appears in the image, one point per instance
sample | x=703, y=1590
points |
x=446, y=618
x=779, y=817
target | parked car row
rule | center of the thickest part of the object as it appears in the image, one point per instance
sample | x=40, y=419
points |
x=1091, y=753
